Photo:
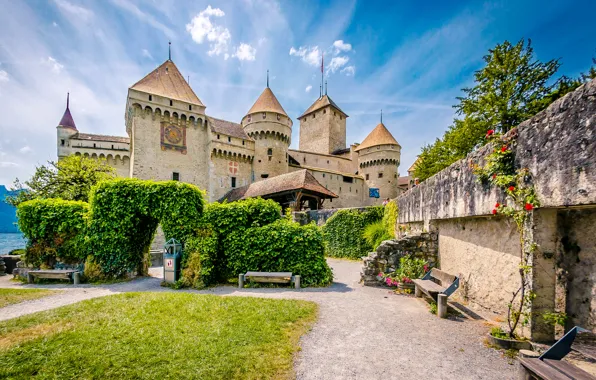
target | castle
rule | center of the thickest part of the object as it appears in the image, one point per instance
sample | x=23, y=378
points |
x=170, y=137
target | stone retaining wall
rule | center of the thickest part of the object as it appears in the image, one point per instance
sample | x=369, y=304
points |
x=320, y=217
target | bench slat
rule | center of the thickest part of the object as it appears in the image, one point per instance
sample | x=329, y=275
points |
x=429, y=285
x=445, y=278
x=60, y=276
x=540, y=368
x=569, y=369
x=277, y=280
x=41, y=271
x=268, y=274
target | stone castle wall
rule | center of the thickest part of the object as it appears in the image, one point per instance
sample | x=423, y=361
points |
x=323, y=131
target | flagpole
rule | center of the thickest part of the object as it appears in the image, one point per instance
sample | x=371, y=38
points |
x=322, y=70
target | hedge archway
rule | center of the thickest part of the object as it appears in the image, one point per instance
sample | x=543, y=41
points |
x=125, y=214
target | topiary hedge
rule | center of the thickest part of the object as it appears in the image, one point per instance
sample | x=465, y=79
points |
x=343, y=232
x=125, y=214
x=55, y=229
x=282, y=246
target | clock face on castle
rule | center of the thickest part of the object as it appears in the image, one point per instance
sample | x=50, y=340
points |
x=173, y=134
x=173, y=137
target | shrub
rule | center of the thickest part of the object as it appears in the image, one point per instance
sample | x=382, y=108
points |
x=200, y=261
x=410, y=268
x=55, y=230
x=282, y=246
x=376, y=233
x=125, y=214
x=390, y=218
x=92, y=271
x=343, y=232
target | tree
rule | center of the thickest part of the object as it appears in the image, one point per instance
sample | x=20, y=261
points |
x=71, y=178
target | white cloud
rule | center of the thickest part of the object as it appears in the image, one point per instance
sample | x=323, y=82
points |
x=308, y=88
x=202, y=29
x=146, y=53
x=54, y=65
x=311, y=55
x=3, y=76
x=340, y=45
x=5, y=164
x=337, y=63
x=55, y=24
x=348, y=70
x=25, y=149
x=76, y=10
x=245, y=52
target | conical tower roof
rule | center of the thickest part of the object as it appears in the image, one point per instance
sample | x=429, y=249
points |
x=67, y=121
x=167, y=81
x=267, y=102
x=321, y=102
x=379, y=136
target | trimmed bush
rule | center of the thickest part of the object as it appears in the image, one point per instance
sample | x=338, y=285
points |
x=282, y=246
x=376, y=233
x=55, y=229
x=343, y=232
x=125, y=214
x=390, y=218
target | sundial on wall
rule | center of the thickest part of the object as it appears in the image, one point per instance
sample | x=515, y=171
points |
x=173, y=137
x=173, y=134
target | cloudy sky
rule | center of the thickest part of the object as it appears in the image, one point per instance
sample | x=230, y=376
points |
x=409, y=58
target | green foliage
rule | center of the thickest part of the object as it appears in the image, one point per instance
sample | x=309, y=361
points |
x=282, y=246
x=410, y=268
x=70, y=178
x=376, y=233
x=390, y=214
x=497, y=332
x=92, y=271
x=343, y=232
x=55, y=229
x=202, y=262
x=125, y=214
x=555, y=319
x=433, y=307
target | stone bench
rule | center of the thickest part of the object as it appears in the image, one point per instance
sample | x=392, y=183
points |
x=439, y=286
x=269, y=277
x=58, y=274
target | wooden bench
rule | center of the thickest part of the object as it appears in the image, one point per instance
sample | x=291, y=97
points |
x=439, y=286
x=271, y=277
x=60, y=274
x=550, y=364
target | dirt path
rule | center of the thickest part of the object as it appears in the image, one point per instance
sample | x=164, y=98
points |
x=362, y=332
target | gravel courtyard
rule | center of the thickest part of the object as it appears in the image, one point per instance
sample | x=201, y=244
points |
x=361, y=333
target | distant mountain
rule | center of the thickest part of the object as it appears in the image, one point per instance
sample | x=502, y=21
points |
x=8, y=214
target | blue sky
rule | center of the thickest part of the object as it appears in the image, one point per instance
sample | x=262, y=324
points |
x=409, y=58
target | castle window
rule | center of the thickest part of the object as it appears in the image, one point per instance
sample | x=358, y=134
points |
x=264, y=175
x=367, y=177
x=278, y=117
x=94, y=145
x=304, y=159
x=324, y=112
x=380, y=175
x=348, y=179
x=229, y=139
x=327, y=161
x=350, y=189
x=264, y=115
x=323, y=175
x=340, y=189
x=313, y=115
x=269, y=158
x=233, y=182
x=378, y=147
x=270, y=152
x=356, y=191
x=112, y=146
x=62, y=142
x=171, y=103
x=334, y=113
x=176, y=176
x=242, y=142
x=150, y=98
x=341, y=117
x=218, y=137
x=189, y=107
x=248, y=119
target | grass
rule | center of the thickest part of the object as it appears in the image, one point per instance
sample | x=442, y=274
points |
x=12, y=296
x=157, y=336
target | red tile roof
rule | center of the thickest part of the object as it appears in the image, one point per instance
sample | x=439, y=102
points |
x=267, y=102
x=228, y=128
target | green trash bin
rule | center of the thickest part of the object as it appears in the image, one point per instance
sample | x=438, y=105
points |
x=172, y=257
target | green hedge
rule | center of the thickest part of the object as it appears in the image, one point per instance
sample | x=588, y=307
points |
x=55, y=229
x=343, y=232
x=282, y=246
x=390, y=217
x=125, y=214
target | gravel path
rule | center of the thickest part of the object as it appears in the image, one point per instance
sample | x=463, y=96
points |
x=361, y=333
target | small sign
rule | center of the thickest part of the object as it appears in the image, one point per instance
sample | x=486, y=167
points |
x=373, y=192
x=169, y=263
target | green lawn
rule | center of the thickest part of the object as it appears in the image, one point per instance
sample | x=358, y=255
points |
x=11, y=296
x=157, y=336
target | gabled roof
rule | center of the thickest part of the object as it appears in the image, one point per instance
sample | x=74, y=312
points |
x=298, y=180
x=379, y=136
x=267, y=102
x=167, y=81
x=323, y=101
x=67, y=121
x=228, y=128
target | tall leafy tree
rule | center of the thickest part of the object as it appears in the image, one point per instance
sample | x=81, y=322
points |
x=71, y=178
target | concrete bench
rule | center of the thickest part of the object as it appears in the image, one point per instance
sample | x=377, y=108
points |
x=270, y=277
x=550, y=364
x=439, y=286
x=59, y=274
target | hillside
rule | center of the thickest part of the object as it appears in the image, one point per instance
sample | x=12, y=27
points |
x=8, y=216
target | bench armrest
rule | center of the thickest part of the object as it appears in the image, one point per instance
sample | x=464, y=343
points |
x=426, y=276
x=452, y=288
x=563, y=346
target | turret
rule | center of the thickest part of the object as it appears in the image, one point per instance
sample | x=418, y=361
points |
x=378, y=161
x=65, y=130
x=269, y=125
x=323, y=127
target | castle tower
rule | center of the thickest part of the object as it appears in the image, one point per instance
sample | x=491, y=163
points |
x=323, y=127
x=270, y=127
x=169, y=132
x=378, y=161
x=65, y=130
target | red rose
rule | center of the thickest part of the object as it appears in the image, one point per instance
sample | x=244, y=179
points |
x=497, y=205
x=504, y=148
x=511, y=188
x=490, y=132
x=528, y=206
x=495, y=176
x=494, y=212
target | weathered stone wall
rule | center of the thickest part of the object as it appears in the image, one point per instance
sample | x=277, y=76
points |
x=323, y=131
x=320, y=217
x=379, y=167
x=325, y=161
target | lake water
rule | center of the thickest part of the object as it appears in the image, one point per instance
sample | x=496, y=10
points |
x=8, y=242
